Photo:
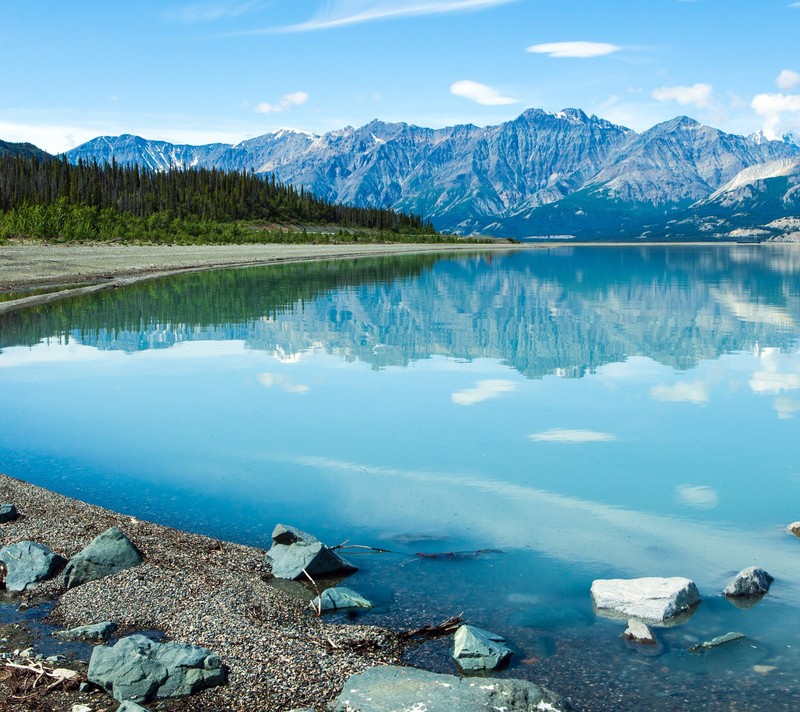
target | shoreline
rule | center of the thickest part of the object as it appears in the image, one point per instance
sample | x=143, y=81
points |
x=196, y=590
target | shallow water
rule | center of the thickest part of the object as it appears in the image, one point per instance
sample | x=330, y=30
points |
x=589, y=412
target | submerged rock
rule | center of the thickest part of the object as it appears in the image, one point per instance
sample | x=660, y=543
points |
x=139, y=669
x=95, y=632
x=27, y=563
x=751, y=581
x=638, y=632
x=389, y=687
x=716, y=642
x=650, y=599
x=8, y=512
x=294, y=550
x=338, y=598
x=477, y=649
x=108, y=553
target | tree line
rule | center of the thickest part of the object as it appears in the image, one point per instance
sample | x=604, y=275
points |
x=91, y=201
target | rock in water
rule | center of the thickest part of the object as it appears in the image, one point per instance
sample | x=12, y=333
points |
x=139, y=669
x=27, y=563
x=716, y=642
x=388, y=687
x=651, y=598
x=638, y=632
x=108, y=553
x=794, y=528
x=338, y=598
x=8, y=512
x=96, y=632
x=294, y=550
x=478, y=649
x=751, y=581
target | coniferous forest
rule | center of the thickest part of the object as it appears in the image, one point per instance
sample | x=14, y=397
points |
x=53, y=199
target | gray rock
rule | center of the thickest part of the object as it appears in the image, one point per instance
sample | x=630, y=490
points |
x=794, y=528
x=294, y=550
x=8, y=512
x=27, y=563
x=716, y=642
x=108, y=553
x=477, y=649
x=129, y=706
x=338, y=598
x=650, y=599
x=638, y=632
x=387, y=688
x=139, y=669
x=96, y=632
x=751, y=581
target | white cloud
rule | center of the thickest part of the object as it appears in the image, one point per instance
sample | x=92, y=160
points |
x=342, y=13
x=483, y=390
x=209, y=11
x=276, y=379
x=681, y=392
x=480, y=93
x=700, y=497
x=786, y=408
x=698, y=95
x=574, y=49
x=558, y=435
x=287, y=100
x=777, y=109
x=788, y=80
x=780, y=372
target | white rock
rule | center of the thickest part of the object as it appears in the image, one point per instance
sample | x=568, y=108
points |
x=650, y=598
x=794, y=528
x=639, y=632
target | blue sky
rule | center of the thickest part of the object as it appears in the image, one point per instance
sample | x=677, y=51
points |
x=227, y=70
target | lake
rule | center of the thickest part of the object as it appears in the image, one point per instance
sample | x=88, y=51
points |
x=568, y=413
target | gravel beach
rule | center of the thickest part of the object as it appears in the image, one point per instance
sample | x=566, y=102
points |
x=195, y=590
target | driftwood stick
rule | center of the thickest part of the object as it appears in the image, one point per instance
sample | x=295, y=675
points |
x=433, y=631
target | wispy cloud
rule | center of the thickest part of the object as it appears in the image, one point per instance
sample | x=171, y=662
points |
x=786, y=408
x=698, y=496
x=276, y=379
x=776, y=109
x=342, y=13
x=480, y=93
x=582, y=50
x=287, y=101
x=699, y=95
x=209, y=11
x=558, y=435
x=788, y=79
x=483, y=390
x=681, y=392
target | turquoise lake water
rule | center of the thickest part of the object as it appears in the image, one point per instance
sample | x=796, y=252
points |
x=588, y=412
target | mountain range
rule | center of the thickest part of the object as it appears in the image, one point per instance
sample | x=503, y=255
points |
x=543, y=174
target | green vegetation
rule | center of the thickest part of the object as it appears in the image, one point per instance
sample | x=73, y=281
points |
x=51, y=199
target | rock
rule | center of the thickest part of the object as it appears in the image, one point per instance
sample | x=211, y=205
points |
x=751, y=581
x=794, y=528
x=388, y=687
x=27, y=563
x=129, y=706
x=638, y=632
x=294, y=550
x=96, y=632
x=650, y=599
x=716, y=642
x=80, y=708
x=478, y=649
x=139, y=669
x=337, y=598
x=8, y=512
x=108, y=553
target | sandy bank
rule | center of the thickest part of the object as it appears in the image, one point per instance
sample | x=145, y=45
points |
x=201, y=591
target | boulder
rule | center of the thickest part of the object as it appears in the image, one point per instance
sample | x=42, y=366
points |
x=716, y=642
x=794, y=528
x=108, y=553
x=650, y=599
x=27, y=563
x=477, y=649
x=337, y=598
x=389, y=687
x=751, y=581
x=139, y=669
x=8, y=512
x=96, y=632
x=638, y=632
x=293, y=551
